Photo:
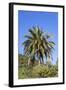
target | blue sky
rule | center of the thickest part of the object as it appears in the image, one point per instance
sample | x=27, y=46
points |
x=48, y=21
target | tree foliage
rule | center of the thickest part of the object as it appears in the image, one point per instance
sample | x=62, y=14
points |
x=38, y=44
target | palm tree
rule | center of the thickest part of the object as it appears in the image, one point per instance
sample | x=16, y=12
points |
x=38, y=45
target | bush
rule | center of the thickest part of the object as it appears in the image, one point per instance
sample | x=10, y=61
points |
x=38, y=71
x=22, y=72
x=25, y=72
x=44, y=71
x=53, y=72
x=22, y=60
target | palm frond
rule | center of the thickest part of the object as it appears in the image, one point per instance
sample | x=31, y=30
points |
x=29, y=37
x=32, y=33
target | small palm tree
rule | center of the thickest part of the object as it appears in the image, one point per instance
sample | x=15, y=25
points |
x=38, y=45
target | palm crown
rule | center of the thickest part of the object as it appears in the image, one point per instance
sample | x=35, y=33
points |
x=38, y=45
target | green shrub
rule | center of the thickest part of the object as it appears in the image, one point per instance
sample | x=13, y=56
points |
x=52, y=72
x=22, y=60
x=22, y=73
x=44, y=71
x=38, y=71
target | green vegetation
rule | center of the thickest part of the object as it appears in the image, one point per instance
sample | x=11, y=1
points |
x=35, y=70
x=37, y=47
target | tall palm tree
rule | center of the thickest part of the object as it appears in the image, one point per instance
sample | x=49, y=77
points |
x=38, y=45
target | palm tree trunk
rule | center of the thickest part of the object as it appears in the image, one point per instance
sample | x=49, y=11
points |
x=39, y=62
x=28, y=61
x=49, y=60
x=42, y=61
